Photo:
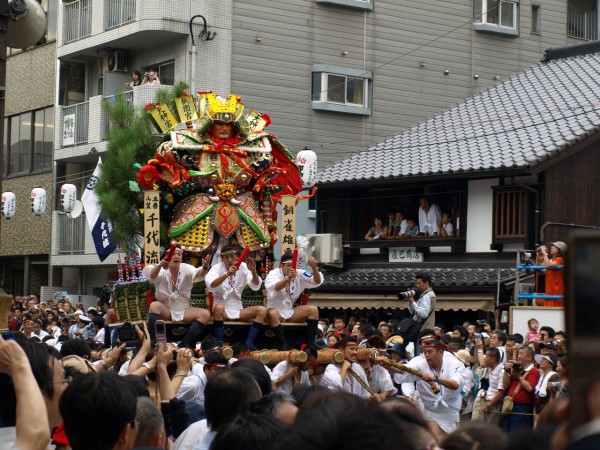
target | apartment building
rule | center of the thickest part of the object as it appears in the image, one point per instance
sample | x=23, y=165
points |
x=335, y=76
x=27, y=159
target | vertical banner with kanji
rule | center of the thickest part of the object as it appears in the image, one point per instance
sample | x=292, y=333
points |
x=287, y=229
x=151, y=227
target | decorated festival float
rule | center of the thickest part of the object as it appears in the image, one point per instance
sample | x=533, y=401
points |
x=199, y=185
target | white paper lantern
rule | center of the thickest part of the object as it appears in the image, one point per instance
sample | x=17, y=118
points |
x=68, y=195
x=307, y=163
x=9, y=204
x=38, y=201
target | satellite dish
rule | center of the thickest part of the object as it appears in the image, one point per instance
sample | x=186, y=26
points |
x=26, y=23
x=77, y=210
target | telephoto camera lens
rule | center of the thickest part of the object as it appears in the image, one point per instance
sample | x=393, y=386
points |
x=404, y=295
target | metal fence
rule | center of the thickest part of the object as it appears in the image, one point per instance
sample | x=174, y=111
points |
x=119, y=12
x=78, y=20
x=582, y=24
x=108, y=123
x=75, y=122
x=71, y=234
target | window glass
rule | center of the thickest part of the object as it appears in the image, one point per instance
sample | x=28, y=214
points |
x=535, y=19
x=5, y=148
x=39, y=126
x=51, y=14
x=316, y=86
x=478, y=10
x=14, y=144
x=355, y=91
x=166, y=73
x=48, y=138
x=336, y=88
x=25, y=144
x=492, y=11
x=507, y=19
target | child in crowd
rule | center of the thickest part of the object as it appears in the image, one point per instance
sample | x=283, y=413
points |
x=340, y=325
x=532, y=335
x=412, y=228
x=400, y=225
x=391, y=214
x=445, y=226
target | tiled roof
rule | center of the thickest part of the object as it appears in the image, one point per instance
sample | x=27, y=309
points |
x=401, y=278
x=519, y=123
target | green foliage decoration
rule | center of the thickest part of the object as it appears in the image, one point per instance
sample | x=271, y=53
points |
x=131, y=143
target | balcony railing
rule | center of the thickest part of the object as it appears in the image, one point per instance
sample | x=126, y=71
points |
x=75, y=124
x=78, y=20
x=71, y=234
x=119, y=12
x=108, y=123
x=582, y=24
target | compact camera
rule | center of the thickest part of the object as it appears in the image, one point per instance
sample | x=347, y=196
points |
x=410, y=293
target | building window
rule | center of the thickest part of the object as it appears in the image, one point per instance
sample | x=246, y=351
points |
x=511, y=211
x=165, y=71
x=340, y=89
x=582, y=19
x=30, y=138
x=535, y=19
x=366, y=5
x=496, y=16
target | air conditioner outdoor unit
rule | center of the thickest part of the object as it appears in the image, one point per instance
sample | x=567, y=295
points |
x=116, y=61
x=326, y=248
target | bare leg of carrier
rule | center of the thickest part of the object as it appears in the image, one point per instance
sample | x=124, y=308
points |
x=218, y=318
x=310, y=315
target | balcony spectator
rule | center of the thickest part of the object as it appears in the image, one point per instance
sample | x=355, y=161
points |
x=412, y=229
x=136, y=80
x=378, y=231
x=151, y=77
x=430, y=215
x=445, y=225
x=400, y=225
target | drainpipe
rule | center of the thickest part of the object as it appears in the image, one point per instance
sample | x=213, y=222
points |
x=560, y=224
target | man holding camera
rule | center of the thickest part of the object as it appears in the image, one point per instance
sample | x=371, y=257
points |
x=423, y=309
x=520, y=379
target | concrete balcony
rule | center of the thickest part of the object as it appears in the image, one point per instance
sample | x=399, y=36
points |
x=86, y=26
x=81, y=128
x=72, y=244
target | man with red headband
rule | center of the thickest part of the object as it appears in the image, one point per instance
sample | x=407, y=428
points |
x=284, y=288
x=227, y=281
x=446, y=371
x=344, y=376
x=174, y=280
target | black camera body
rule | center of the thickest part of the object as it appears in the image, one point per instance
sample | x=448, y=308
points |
x=126, y=334
x=404, y=295
x=517, y=368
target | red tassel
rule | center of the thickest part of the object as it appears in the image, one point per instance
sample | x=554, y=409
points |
x=149, y=297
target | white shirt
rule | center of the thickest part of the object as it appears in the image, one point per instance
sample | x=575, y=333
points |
x=286, y=297
x=192, y=387
x=192, y=436
x=333, y=380
x=449, y=400
x=495, y=377
x=428, y=221
x=280, y=370
x=229, y=292
x=175, y=293
x=380, y=380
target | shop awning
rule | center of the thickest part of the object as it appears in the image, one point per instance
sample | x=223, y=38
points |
x=458, y=302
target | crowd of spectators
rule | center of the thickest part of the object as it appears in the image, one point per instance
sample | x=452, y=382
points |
x=62, y=390
x=428, y=221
